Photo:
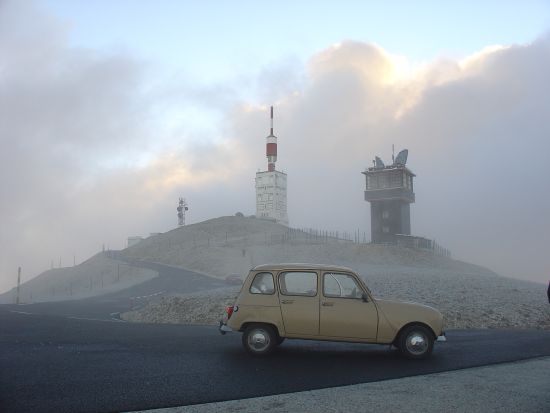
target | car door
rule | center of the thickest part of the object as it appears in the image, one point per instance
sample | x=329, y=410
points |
x=343, y=312
x=299, y=299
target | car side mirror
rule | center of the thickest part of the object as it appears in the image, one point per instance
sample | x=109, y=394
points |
x=365, y=297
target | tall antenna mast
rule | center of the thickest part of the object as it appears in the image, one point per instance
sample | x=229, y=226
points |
x=271, y=147
x=271, y=132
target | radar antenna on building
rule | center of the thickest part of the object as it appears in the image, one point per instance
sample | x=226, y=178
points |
x=182, y=207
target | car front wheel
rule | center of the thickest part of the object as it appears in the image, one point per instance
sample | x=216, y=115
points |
x=416, y=342
x=259, y=339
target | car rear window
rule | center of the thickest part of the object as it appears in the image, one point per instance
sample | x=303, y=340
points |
x=263, y=284
x=298, y=283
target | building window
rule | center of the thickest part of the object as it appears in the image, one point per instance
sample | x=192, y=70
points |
x=386, y=230
x=396, y=179
x=385, y=214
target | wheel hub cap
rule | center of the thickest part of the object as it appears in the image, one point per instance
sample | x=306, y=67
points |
x=258, y=340
x=417, y=343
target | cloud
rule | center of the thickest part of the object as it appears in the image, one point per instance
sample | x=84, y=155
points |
x=476, y=129
x=91, y=153
x=85, y=157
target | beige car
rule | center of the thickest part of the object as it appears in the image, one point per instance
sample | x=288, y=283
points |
x=318, y=302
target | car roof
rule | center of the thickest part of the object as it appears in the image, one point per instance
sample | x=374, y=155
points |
x=300, y=266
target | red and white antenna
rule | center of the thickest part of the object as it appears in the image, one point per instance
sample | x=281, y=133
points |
x=271, y=147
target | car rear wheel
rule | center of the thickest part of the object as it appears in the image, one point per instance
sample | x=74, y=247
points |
x=259, y=339
x=416, y=342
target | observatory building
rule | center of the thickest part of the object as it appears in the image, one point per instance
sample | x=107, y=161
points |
x=390, y=191
x=271, y=185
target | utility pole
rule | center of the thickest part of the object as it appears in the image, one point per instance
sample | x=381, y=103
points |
x=18, y=284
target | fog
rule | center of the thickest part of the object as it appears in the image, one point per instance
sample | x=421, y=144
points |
x=88, y=155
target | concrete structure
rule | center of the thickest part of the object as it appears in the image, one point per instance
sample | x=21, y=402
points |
x=271, y=185
x=390, y=191
x=134, y=240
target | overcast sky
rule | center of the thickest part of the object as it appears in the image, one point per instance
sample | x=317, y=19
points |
x=109, y=111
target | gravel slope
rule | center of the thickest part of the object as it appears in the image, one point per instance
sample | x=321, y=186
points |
x=469, y=296
x=96, y=276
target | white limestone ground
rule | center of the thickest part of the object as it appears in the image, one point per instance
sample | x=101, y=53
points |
x=476, y=302
x=469, y=296
x=502, y=388
x=204, y=307
x=96, y=276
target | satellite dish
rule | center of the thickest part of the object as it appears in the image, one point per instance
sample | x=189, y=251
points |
x=401, y=158
x=378, y=162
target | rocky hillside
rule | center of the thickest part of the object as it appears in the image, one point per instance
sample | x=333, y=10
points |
x=465, y=300
x=232, y=245
x=468, y=295
x=96, y=276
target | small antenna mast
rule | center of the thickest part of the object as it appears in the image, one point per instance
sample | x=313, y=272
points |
x=182, y=207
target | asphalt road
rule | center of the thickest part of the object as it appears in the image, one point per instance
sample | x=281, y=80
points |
x=58, y=364
x=171, y=280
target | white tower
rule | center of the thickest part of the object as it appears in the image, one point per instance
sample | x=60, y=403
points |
x=271, y=186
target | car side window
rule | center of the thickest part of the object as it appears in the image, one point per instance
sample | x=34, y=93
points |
x=298, y=283
x=263, y=284
x=341, y=286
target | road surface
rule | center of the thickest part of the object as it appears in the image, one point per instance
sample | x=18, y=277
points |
x=51, y=363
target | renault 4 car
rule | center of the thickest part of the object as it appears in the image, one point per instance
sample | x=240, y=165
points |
x=322, y=302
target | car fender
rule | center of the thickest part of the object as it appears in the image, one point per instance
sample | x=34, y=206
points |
x=394, y=315
x=247, y=314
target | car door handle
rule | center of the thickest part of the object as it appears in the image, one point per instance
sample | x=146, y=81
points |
x=287, y=301
x=327, y=304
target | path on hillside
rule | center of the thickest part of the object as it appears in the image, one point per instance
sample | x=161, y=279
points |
x=56, y=364
x=170, y=280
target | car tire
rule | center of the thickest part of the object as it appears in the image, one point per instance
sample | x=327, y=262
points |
x=415, y=342
x=259, y=339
